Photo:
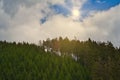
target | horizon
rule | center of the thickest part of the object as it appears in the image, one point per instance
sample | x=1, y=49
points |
x=31, y=21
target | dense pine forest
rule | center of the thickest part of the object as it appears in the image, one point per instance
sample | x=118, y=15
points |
x=59, y=59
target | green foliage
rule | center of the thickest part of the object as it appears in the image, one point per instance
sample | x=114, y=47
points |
x=101, y=59
x=23, y=61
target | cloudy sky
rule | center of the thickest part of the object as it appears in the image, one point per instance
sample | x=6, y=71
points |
x=34, y=20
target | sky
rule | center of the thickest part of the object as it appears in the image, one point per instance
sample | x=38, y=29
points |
x=34, y=20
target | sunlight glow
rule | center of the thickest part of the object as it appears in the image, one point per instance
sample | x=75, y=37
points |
x=75, y=13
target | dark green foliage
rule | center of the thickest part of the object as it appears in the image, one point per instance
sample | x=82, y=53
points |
x=23, y=61
x=101, y=59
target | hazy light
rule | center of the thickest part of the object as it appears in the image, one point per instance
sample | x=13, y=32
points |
x=75, y=13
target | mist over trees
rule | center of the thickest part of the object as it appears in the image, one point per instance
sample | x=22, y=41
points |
x=59, y=59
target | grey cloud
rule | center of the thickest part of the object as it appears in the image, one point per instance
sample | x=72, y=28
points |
x=4, y=20
x=12, y=6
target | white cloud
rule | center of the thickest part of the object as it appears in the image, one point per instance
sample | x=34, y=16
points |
x=62, y=26
x=25, y=25
x=76, y=13
x=107, y=23
x=101, y=26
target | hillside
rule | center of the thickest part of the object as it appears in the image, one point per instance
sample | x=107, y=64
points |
x=24, y=61
x=101, y=59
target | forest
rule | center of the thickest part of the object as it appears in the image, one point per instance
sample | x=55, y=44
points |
x=59, y=59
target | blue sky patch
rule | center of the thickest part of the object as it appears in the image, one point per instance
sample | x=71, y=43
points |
x=43, y=20
x=99, y=4
x=57, y=9
x=60, y=9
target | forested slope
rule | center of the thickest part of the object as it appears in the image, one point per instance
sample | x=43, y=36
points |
x=25, y=61
x=95, y=60
x=102, y=59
